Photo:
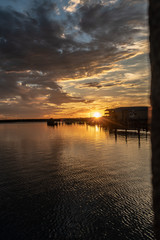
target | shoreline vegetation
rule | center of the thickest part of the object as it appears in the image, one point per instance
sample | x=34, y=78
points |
x=22, y=120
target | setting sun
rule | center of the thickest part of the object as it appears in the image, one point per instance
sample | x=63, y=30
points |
x=97, y=115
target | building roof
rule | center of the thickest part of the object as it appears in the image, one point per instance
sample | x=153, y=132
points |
x=141, y=108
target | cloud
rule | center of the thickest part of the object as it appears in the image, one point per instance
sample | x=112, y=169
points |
x=117, y=24
x=98, y=85
x=90, y=85
x=27, y=39
x=39, y=47
x=72, y=5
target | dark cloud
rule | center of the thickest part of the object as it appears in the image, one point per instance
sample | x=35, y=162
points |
x=32, y=86
x=35, y=40
x=100, y=85
x=116, y=24
x=38, y=47
x=90, y=85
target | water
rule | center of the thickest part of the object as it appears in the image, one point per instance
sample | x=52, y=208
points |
x=74, y=182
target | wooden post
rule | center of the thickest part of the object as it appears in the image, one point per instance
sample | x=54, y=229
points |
x=154, y=24
x=115, y=134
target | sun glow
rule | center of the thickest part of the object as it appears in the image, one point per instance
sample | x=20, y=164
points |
x=96, y=115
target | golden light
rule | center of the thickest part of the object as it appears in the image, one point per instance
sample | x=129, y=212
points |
x=96, y=115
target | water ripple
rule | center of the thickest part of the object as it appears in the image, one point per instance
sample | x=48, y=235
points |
x=72, y=182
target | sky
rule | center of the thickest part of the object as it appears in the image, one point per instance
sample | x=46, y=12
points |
x=71, y=58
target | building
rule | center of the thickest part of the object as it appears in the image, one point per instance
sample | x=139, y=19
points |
x=127, y=114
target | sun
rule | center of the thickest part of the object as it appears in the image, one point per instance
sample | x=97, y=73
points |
x=96, y=115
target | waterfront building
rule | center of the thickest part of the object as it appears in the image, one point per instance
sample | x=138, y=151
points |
x=125, y=114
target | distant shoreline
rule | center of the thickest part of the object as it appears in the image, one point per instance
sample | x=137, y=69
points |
x=22, y=120
x=37, y=120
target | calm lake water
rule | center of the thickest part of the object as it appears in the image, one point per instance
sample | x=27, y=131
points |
x=74, y=182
